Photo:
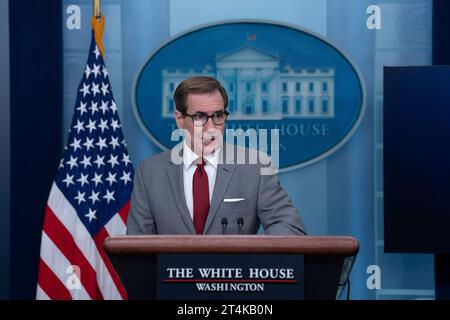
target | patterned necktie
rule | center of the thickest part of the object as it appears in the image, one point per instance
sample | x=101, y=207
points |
x=200, y=192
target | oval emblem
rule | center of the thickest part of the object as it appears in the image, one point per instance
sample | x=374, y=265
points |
x=277, y=76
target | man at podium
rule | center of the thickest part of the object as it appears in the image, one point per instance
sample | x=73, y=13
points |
x=205, y=186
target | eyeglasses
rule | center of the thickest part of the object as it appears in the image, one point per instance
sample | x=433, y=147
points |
x=200, y=118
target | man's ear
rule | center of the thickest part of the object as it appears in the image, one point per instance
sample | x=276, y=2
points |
x=179, y=119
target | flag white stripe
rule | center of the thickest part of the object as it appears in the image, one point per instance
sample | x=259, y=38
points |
x=115, y=226
x=40, y=294
x=106, y=284
x=59, y=264
x=64, y=211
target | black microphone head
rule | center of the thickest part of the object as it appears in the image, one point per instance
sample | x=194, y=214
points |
x=224, y=221
x=240, y=221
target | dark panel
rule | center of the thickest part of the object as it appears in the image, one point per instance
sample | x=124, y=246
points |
x=442, y=276
x=36, y=100
x=441, y=32
x=139, y=282
x=416, y=159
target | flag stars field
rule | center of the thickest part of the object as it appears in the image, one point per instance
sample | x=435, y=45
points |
x=91, y=215
x=79, y=126
x=85, y=90
x=99, y=161
x=95, y=70
x=104, y=107
x=103, y=125
x=94, y=107
x=96, y=52
x=95, y=90
x=82, y=108
x=93, y=117
x=94, y=197
x=97, y=178
x=109, y=196
x=104, y=89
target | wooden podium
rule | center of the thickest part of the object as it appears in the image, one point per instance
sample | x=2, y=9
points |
x=324, y=264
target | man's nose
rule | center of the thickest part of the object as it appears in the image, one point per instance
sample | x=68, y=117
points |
x=209, y=124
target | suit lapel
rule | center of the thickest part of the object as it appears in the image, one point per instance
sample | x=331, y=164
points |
x=175, y=173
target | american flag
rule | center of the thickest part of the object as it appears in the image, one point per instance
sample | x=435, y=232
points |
x=89, y=198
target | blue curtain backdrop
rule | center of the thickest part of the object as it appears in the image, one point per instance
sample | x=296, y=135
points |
x=340, y=195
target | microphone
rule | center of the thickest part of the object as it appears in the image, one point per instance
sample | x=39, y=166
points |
x=224, y=225
x=240, y=223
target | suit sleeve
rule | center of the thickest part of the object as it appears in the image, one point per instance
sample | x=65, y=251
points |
x=276, y=211
x=140, y=220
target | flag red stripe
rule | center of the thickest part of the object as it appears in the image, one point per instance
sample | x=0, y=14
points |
x=99, y=240
x=62, y=238
x=124, y=212
x=50, y=283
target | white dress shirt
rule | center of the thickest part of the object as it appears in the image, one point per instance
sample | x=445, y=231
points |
x=189, y=167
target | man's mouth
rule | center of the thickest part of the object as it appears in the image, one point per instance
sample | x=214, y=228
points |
x=208, y=139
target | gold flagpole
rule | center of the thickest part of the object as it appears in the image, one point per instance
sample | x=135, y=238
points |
x=98, y=25
x=97, y=12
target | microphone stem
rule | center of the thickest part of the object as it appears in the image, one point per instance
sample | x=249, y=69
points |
x=224, y=225
x=240, y=223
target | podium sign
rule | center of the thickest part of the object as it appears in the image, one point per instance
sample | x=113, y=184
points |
x=229, y=277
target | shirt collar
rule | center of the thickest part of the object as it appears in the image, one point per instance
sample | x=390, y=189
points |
x=190, y=156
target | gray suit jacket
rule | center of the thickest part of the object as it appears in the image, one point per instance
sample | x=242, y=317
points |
x=158, y=204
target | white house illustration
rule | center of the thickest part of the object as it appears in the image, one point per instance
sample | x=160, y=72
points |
x=260, y=88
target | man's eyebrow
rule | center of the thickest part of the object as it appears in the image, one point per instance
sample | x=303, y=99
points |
x=205, y=113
